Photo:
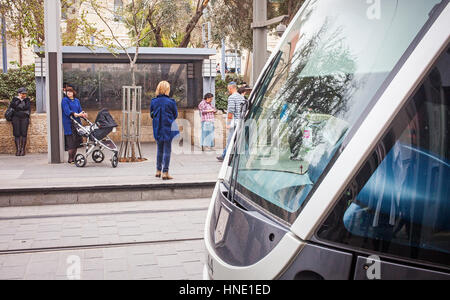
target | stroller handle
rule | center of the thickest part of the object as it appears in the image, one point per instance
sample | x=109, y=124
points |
x=83, y=118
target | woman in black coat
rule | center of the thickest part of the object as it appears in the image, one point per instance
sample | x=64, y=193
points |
x=21, y=120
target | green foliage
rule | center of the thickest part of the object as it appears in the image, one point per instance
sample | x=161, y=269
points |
x=166, y=22
x=222, y=89
x=16, y=78
x=232, y=19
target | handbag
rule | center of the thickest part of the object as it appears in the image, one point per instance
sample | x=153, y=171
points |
x=9, y=114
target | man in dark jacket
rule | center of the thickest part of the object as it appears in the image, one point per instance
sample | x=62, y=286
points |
x=21, y=120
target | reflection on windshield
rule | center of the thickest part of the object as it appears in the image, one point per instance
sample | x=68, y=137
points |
x=330, y=66
x=399, y=202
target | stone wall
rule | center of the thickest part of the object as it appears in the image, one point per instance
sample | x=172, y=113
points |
x=37, y=134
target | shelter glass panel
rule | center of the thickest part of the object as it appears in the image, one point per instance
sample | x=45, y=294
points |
x=99, y=85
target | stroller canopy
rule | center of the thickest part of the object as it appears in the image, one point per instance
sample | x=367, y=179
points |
x=105, y=120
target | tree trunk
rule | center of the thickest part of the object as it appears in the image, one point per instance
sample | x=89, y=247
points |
x=293, y=7
x=290, y=10
x=133, y=73
x=71, y=32
x=157, y=34
x=189, y=28
x=20, y=51
x=191, y=25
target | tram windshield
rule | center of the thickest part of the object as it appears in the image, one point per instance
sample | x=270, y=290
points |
x=332, y=62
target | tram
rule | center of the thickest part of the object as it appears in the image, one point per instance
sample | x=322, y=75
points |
x=341, y=167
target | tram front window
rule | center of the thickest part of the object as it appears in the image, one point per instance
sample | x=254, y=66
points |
x=332, y=62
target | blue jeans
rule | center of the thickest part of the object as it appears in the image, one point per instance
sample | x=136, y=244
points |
x=230, y=135
x=163, y=155
x=208, y=134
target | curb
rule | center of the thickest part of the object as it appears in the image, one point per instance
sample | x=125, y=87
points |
x=104, y=193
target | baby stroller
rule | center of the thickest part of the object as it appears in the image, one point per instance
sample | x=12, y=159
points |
x=97, y=139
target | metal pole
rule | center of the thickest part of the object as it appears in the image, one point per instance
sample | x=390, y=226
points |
x=259, y=38
x=235, y=61
x=42, y=87
x=222, y=66
x=4, y=46
x=53, y=58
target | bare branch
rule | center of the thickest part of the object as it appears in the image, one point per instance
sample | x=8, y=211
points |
x=96, y=9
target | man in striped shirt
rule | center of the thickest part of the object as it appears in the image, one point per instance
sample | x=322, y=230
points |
x=235, y=102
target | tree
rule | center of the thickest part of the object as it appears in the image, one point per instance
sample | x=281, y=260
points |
x=24, y=22
x=166, y=20
x=134, y=15
x=232, y=19
x=201, y=6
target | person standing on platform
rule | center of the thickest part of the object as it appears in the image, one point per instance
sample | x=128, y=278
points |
x=71, y=107
x=164, y=112
x=207, y=111
x=235, y=102
x=21, y=105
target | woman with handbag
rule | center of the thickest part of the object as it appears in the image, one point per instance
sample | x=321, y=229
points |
x=20, y=120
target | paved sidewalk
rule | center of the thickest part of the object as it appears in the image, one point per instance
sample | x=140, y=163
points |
x=33, y=171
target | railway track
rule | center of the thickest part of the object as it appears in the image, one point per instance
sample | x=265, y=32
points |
x=100, y=245
x=97, y=246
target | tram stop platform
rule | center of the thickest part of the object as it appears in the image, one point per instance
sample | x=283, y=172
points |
x=30, y=180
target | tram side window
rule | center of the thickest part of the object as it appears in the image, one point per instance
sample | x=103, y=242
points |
x=399, y=203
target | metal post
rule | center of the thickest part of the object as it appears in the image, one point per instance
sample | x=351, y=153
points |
x=93, y=65
x=53, y=58
x=259, y=38
x=42, y=87
x=222, y=66
x=236, y=61
x=4, y=46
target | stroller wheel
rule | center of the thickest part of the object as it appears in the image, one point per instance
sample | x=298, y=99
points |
x=115, y=161
x=80, y=161
x=98, y=156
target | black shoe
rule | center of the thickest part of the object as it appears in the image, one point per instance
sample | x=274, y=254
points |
x=220, y=158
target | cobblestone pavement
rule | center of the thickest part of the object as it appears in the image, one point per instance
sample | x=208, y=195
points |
x=132, y=240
